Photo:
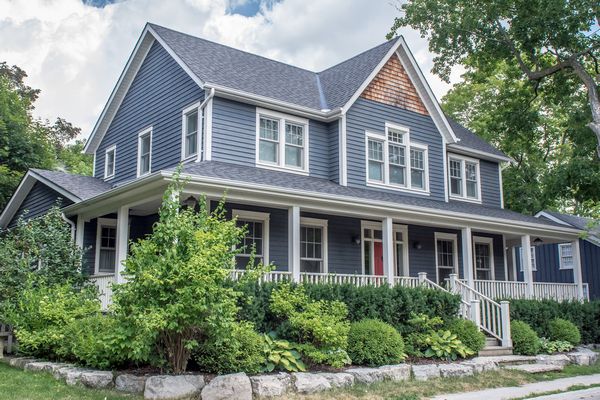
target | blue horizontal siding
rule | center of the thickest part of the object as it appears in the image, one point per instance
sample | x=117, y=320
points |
x=490, y=184
x=368, y=115
x=498, y=249
x=334, y=151
x=156, y=98
x=38, y=201
x=547, y=263
x=590, y=263
x=89, y=244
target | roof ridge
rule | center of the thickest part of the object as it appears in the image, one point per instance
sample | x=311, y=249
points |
x=358, y=55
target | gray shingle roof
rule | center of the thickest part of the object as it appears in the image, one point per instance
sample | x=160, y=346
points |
x=220, y=170
x=472, y=140
x=80, y=186
x=585, y=224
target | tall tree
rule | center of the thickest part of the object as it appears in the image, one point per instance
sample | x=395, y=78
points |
x=26, y=142
x=542, y=37
x=555, y=163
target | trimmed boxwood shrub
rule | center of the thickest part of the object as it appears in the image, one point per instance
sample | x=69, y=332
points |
x=468, y=333
x=561, y=329
x=374, y=343
x=525, y=341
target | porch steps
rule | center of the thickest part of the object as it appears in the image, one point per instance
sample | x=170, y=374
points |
x=493, y=348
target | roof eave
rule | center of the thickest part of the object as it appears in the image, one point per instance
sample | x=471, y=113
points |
x=457, y=148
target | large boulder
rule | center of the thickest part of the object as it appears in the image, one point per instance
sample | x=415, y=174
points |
x=230, y=387
x=481, y=365
x=97, y=379
x=396, y=373
x=20, y=362
x=306, y=383
x=554, y=359
x=366, y=375
x=269, y=386
x=455, y=370
x=425, y=372
x=71, y=375
x=37, y=366
x=130, y=383
x=169, y=387
x=338, y=379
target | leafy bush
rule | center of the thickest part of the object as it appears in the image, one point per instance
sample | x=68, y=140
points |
x=554, y=346
x=468, y=333
x=563, y=330
x=525, y=340
x=445, y=345
x=40, y=314
x=319, y=326
x=280, y=355
x=421, y=325
x=372, y=342
x=538, y=314
x=240, y=350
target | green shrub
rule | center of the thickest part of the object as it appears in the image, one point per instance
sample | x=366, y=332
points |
x=445, y=345
x=240, y=350
x=554, y=346
x=421, y=326
x=280, y=355
x=468, y=333
x=525, y=340
x=563, y=330
x=372, y=342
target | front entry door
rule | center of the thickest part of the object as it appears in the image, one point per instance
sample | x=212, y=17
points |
x=378, y=258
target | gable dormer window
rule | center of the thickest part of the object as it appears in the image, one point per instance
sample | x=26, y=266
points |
x=191, y=135
x=109, y=162
x=144, y=164
x=464, y=178
x=394, y=161
x=281, y=141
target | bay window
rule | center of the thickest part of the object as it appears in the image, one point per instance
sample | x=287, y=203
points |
x=464, y=178
x=282, y=141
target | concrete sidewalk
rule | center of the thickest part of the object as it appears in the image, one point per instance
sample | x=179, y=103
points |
x=529, y=389
x=585, y=394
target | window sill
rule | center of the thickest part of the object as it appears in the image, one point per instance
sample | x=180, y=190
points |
x=190, y=158
x=565, y=268
x=282, y=169
x=465, y=199
x=108, y=178
x=398, y=188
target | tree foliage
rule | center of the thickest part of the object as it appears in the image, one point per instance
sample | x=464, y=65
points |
x=27, y=142
x=540, y=37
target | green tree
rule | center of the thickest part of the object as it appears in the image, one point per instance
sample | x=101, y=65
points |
x=555, y=164
x=541, y=37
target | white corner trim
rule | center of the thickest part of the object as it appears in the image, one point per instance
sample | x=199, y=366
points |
x=147, y=131
x=343, y=151
x=208, y=125
x=500, y=182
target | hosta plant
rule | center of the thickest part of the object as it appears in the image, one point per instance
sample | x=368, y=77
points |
x=554, y=346
x=281, y=355
x=445, y=345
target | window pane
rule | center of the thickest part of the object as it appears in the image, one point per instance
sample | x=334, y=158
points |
x=378, y=234
x=269, y=129
x=192, y=122
x=417, y=173
x=367, y=251
x=396, y=154
x=110, y=163
x=445, y=253
x=416, y=159
x=395, y=135
x=455, y=169
x=399, y=259
x=375, y=171
x=310, y=266
x=375, y=150
x=294, y=134
x=107, y=260
x=471, y=189
x=293, y=156
x=456, y=186
x=146, y=144
x=397, y=175
x=191, y=144
x=253, y=238
x=417, y=180
x=267, y=151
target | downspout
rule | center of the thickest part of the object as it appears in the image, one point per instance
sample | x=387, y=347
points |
x=68, y=221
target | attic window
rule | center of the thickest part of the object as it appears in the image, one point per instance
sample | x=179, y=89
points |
x=109, y=162
x=464, y=178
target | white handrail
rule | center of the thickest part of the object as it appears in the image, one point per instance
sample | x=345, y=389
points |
x=518, y=290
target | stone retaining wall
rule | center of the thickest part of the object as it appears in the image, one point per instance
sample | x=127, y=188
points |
x=243, y=387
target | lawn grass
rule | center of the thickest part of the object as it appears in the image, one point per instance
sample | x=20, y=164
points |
x=16, y=384
x=415, y=390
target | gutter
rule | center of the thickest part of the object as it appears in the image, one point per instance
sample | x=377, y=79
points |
x=68, y=221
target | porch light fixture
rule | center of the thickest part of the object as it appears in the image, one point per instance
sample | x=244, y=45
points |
x=417, y=245
x=537, y=241
x=190, y=203
x=356, y=239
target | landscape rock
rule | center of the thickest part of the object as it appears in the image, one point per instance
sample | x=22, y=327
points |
x=97, y=379
x=508, y=360
x=425, y=372
x=455, y=370
x=307, y=383
x=230, y=387
x=130, y=383
x=53, y=367
x=366, y=375
x=20, y=362
x=173, y=387
x=481, y=365
x=555, y=359
x=396, y=373
x=536, y=368
x=582, y=358
x=37, y=366
x=338, y=379
x=71, y=375
x=269, y=386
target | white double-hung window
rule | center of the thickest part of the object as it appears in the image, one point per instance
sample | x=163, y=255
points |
x=144, y=164
x=393, y=160
x=464, y=178
x=191, y=135
x=110, y=158
x=565, y=253
x=281, y=141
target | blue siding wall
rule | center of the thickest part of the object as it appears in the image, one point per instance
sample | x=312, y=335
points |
x=590, y=262
x=157, y=96
x=234, y=137
x=37, y=202
x=490, y=183
x=334, y=151
x=367, y=115
x=89, y=244
x=423, y=259
x=547, y=262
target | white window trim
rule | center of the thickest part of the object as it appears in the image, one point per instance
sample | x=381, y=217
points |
x=197, y=154
x=379, y=226
x=283, y=118
x=408, y=145
x=533, y=255
x=113, y=149
x=100, y=222
x=256, y=216
x=445, y=236
x=147, y=131
x=463, y=169
x=318, y=223
x=560, y=257
x=490, y=242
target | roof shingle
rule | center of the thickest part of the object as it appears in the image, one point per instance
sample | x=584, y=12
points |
x=81, y=186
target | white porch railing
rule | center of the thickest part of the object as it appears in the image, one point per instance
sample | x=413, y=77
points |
x=104, y=284
x=273, y=276
x=341, y=279
x=518, y=290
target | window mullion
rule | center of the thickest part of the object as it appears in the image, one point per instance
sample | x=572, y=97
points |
x=463, y=173
x=282, y=133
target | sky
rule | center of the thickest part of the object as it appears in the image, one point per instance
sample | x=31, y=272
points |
x=74, y=50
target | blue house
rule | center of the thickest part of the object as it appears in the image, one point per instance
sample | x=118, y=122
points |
x=351, y=174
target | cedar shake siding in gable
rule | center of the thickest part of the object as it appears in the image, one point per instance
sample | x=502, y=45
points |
x=156, y=98
x=393, y=86
x=40, y=199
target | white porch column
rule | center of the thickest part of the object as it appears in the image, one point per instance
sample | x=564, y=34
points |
x=467, y=254
x=122, y=241
x=577, y=276
x=526, y=263
x=79, y=231
x=388, y=249
x=294, y=242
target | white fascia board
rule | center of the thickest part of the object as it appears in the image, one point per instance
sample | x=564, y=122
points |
x=137, y=57
x=551, y=218
x=479, y=154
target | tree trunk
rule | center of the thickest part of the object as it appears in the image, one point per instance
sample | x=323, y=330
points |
x=593, y=98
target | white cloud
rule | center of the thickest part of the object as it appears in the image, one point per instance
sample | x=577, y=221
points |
x=74, y=53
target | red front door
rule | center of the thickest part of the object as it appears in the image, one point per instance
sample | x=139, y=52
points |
x=378, y=258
